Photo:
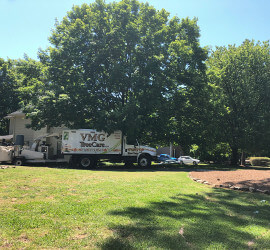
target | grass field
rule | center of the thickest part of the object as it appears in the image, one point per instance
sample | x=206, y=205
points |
x=50, y=208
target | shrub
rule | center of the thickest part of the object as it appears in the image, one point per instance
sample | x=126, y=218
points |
x=260, y=161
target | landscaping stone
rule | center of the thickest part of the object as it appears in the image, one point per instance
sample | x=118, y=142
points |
x=6, y=166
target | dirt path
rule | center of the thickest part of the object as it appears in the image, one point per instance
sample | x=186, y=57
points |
x=251, y=180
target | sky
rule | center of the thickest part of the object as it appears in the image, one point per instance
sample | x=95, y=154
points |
x=25, y=25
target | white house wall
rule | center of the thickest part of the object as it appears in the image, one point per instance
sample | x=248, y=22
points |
x=18, y=127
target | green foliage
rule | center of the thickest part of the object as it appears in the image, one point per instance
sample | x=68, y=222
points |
x=122, y=65
x=9, y=95
x=21, y=83
x=239, y=78
x=219, y=153
x=260, y=161
x=193, y=150
x=32, y=77
x=33, y=82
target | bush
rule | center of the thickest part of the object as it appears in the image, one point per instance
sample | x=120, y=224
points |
x=260, y=161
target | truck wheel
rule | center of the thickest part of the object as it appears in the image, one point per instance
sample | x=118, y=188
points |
x=195, y=163
x=144, y=161
x=87, y=162
x=18, y=162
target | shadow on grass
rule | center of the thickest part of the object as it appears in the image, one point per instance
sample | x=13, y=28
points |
x=219, y=219
x=153, y=168
x=123, y=168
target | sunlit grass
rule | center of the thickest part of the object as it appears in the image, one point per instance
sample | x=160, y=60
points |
x=126, y=208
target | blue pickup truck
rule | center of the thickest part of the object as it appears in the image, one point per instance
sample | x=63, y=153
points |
x=164, y=158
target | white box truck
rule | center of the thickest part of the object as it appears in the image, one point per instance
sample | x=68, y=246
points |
x=87, y=146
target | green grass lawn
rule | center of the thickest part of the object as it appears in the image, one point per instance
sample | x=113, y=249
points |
x=126, y=209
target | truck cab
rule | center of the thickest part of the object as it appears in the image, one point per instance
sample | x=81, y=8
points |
x=144, y=154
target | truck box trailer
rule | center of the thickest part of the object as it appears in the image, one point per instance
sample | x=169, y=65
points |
x=87, y=146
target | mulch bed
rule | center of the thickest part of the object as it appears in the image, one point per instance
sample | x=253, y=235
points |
x=245, y=180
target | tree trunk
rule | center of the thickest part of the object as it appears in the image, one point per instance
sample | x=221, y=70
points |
x=243, y=159
x=234, y=159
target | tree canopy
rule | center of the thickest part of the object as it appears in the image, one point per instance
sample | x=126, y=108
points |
x=9, y=95
x=240, y=78
x=21, y=81
x=128, y=66
x=117, y=66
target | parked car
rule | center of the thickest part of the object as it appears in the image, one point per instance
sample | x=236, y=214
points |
x=164, y=158
x=188, y=160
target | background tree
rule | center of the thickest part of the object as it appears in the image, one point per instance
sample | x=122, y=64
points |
x=32, y=83
x=121, y=66
x=9, y=95
x=240, y=78
x=21, y=81
x=32, y=77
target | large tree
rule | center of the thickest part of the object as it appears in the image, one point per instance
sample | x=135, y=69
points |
x=9, y=96
x=116, y=66
x=21, y=81
x=240, y=79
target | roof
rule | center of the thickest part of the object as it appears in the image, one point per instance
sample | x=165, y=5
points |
x=17, y=113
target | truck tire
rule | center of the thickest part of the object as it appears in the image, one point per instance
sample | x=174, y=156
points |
x=18, y=162
x=87, y=162
x=144, y=161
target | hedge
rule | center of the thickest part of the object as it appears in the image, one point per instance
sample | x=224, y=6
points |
x=260, y=161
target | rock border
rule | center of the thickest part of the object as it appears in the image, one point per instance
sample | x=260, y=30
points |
x=6, y=166
x=246, y=189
